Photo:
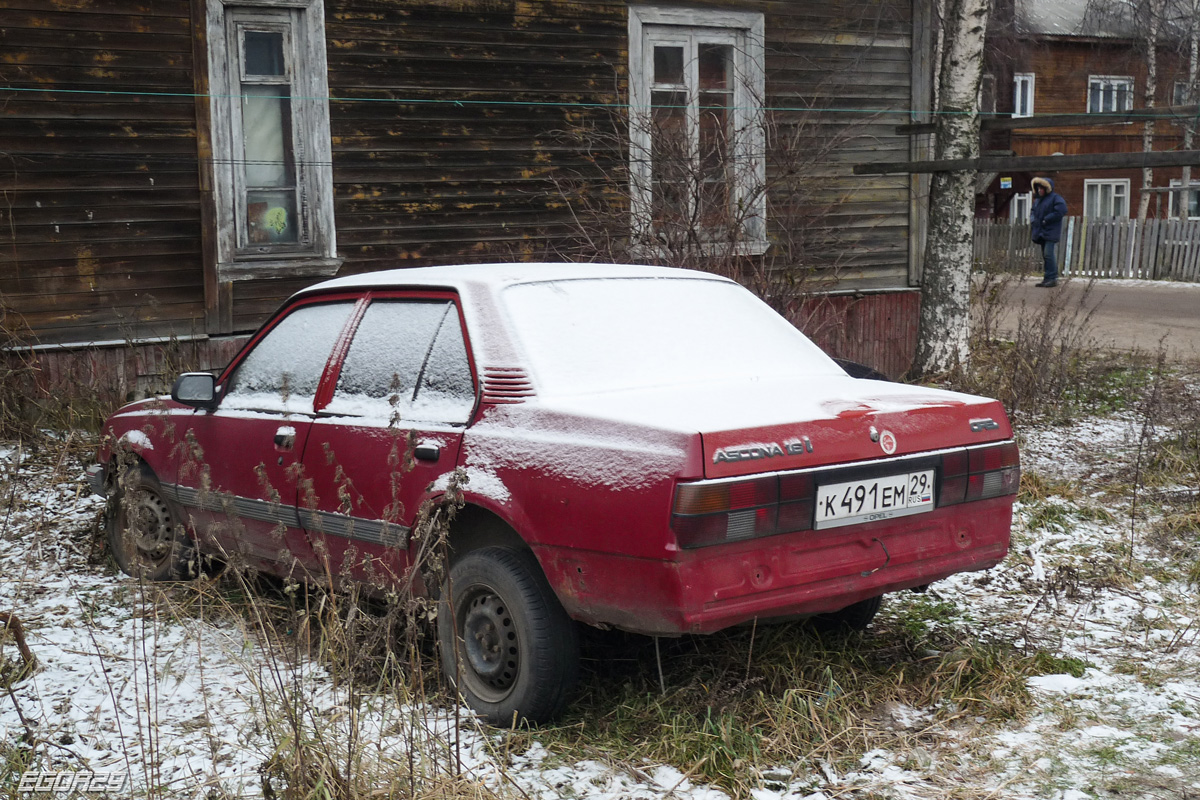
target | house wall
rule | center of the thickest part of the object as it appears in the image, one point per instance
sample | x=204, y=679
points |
x=878, y=329
x=454, y=127
x=1062, y=67
x=99, y=225
x=431, y=181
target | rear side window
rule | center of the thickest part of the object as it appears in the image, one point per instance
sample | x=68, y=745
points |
x=407, y=361
x=283, y=370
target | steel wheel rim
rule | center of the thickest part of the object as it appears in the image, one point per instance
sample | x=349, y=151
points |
x=490, y=647
x=149, y=527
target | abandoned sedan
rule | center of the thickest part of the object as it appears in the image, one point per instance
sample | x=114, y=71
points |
x=643, y=448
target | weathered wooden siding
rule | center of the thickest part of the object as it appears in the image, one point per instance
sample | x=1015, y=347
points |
x=111, y=376
x=99, y=230
x=1062, y=67
x=452, y=126
x=877, y=329
x=845, y=67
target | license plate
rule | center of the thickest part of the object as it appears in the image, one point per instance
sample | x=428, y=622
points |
x=874, y=499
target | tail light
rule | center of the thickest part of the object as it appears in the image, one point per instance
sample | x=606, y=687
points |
x=716, y=512
x=713, y=512
x=979, y=473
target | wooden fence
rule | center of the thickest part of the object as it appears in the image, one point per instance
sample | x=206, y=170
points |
x=1167, y=249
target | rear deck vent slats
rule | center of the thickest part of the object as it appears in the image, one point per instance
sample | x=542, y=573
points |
x=506, y=385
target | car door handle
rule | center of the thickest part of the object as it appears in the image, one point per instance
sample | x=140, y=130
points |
x=285, y=438
x=427, y=452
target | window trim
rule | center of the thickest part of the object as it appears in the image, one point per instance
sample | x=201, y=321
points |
x=1180, y=93
x=1111, y=80
x=750, y=161
x=1017, y=198
x=337, y=362
x=316, y=255
x=1020, y=78
x=1125, y=182
x=985, y=80
x=227, y=377
x=1193, y=188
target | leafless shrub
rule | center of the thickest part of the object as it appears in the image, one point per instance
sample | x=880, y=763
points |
x=688, y=182
x=1039, y=360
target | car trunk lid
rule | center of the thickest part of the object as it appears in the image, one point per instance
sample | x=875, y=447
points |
x=866, y=420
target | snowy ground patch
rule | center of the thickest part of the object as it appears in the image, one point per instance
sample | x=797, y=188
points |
x=188, y=703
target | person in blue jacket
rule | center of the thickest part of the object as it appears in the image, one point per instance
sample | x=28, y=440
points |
x=1046, y=217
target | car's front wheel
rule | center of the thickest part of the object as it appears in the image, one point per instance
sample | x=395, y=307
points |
x=144, y=533
x=507, y=645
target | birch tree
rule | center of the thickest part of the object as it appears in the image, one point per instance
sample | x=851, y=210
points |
x=1150, y=22
x=946, y=286
x=1192, y=31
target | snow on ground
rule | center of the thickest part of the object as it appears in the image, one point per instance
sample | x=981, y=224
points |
x=189, y=702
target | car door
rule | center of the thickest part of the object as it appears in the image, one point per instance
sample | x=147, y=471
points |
x=393, y=426
x=240, y=464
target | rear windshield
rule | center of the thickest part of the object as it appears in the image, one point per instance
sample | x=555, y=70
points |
x=597, y=335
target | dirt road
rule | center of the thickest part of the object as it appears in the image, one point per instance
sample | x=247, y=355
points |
x=1128, y=314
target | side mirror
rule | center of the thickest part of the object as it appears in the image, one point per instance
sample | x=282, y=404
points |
x=195, y=389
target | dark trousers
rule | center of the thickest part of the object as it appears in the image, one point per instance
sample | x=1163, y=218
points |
x=1049, y=263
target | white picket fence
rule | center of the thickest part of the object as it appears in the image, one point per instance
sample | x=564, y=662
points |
x=1167, y=249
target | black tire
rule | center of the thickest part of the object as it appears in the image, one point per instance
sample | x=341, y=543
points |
x=507, y=645
x=851, y=618
x=145, y=532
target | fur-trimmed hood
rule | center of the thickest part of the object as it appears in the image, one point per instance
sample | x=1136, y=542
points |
x=1045, y=183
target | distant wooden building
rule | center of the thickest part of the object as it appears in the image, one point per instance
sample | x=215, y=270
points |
x=173, y=169
x=1082, y=57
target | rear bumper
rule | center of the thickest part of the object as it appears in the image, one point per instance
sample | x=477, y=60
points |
x=811, y=572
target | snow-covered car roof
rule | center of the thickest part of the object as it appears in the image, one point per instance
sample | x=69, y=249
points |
x=497, y=276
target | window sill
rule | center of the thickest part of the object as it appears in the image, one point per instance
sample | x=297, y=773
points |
x=705, y=250
x=299, y=267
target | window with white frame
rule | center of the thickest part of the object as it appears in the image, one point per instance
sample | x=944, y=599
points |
x=1193, y=199
x=273, y=182
x=987, y=93
x=1103, y=199
x=1181, y=94
x=1019, y=208
x=1108, y=94
x=697, y=158
x=1023, y=94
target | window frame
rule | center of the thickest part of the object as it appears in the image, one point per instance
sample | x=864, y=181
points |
x=1114, y=182
x=1017, y=199
x=1180, y=93
x=328, y=406
x=749, y=158
x=1020, y=79
x=303, y=24
x=987, y=93
x=1193, y=189
x=1110, y=81
x=227, y=377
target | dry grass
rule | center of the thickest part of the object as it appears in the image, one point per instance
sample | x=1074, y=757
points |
x=726, y=703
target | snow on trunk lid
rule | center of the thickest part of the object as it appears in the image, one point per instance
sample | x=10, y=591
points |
x=858, y=431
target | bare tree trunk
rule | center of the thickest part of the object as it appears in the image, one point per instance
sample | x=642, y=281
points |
x=1155, y=20
x=1189, y=128
x=946, y=286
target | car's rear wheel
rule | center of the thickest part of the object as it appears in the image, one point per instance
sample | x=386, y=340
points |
x=851, y=618
x=507, y=645
x=144, y=531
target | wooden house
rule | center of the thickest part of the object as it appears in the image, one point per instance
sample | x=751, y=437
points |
x=173, y=169
x=1083, y=57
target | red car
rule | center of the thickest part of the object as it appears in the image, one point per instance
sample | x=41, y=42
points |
x=644, y=448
